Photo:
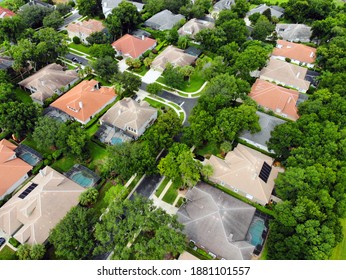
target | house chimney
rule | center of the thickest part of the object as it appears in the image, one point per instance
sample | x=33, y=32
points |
x=81, y=104
x=143, y=37
x=42, y=172
x=298, y=74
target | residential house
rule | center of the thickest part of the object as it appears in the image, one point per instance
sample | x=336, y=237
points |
x=293, y=32
x=261, y=138
x=173, y=55
x=286, y=74
x=85, y=100
x=275, y=11
x=217, y=222
x=163, y=20
x=51, y=79
x=6, y=13
x=32, y=212
x=246, y=172
x=193, y=26
x=84, y=29
x=297, y=53
x=36, y=3
x=132, y=46
x=109, y=5
x=13, y=170
x=130, y=116
x=281, y=101
x=223, y=5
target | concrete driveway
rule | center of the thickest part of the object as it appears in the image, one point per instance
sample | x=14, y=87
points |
x=122, y=65
x=151, y=76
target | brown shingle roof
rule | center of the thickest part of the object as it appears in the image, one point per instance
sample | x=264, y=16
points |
x=295, y=51
x=86, y=27
x=31, y=218
x=280, y=100
x=133, y=46
x=193, y=26
x=84, y=100
x=11, y=167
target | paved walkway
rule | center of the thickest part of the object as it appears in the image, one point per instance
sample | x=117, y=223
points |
x=151, y=76
x=122, y=65
x=189, y=94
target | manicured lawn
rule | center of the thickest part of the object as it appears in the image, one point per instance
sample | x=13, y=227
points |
x=7, y=254
x=23, y=96
x=154, y=103
x=264, y=252
x=339, y=252
x=194, y=84
x=92, y=129
x=101, y=203
x=174, y=105
x=64, y=164
x=141, y=71
x=209, y=149
x=31, y=143
x=172, y=193
x=180, y=202
x=134, y=182
x=162, y=186
x=80, y=47
x=98, y=155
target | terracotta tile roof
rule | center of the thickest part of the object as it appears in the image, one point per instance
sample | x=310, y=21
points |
x=47, y=80
x=278, y=99
x=285, y=73
x=295, y=51
x=30, y=218
x=132, y=46
x=86, y=27
x=84, y=100
x=241, y=168
x=6, y=13
x=11, y=168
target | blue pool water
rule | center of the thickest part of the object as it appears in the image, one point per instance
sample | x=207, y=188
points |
x=116, y=140
x=82, y=180
x=30, y=159
x=255, y=232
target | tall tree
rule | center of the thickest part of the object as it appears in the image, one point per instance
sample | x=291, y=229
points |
x=129, y=82
x=46, y=132
x=136, y=229
x=89, y=8
x=88, y=197
x=173, y=77
x=53, y=20
x=31, y=252
x=33, y=16
x=105, y=67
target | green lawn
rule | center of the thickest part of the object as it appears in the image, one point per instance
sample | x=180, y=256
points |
x=264, y=252
x=194, y=84
x=154, y=103
x=31, y=143
x=101, y=203
x=172, y=193
x=98, y=155
x=64, y=164
x=92, y=129
x=339, y=252
x=207, y=150
x=162, y=186
x=7, y=254
x=176, y=106
x=23, y=96
x=80, y=47
x=134, y=182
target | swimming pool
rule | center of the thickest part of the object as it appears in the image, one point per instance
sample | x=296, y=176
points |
x=116, y=140
x=29, y=158
x=82, y=179
x=255, y=232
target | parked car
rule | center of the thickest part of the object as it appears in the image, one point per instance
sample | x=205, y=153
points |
x=2, y=241
x=75, y=60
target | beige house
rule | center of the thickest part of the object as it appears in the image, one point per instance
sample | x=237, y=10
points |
x=286, y=74
x=83, y=29
x=32, y=212
x=193, y=26
x=173, y=55
x=129, y=116
x=247, y=172
x=50, y=80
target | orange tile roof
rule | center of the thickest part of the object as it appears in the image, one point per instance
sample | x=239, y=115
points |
x=86, y=27
x=6, y=13
x=295, y=51
x=133, y=46
x=280, y=100
x=11, y=167
x=84, y=100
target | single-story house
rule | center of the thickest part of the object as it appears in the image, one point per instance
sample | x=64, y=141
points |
x=130, y=116
x=297, y=53
x=217, y=222
x=293, y=32
x=223, y=5
x=163, y=20
x=280, y=100
x=260, y=139
x=274, y=10
x=6, y=13
x=85, y=100
x=247, y=172
x=193, y=26
x=173, y=55
x=132, y=46
x=13, y=170
x=51, y=79
x=33, y=211
x=109, y=5
x=287, y=74
x=84, y=29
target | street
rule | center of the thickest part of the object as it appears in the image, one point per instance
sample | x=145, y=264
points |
x=83, y=60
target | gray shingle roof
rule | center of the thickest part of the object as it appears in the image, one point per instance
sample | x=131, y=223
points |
x=163, y=20
x=294, y=32
x=274, y=10
x=223, y=5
